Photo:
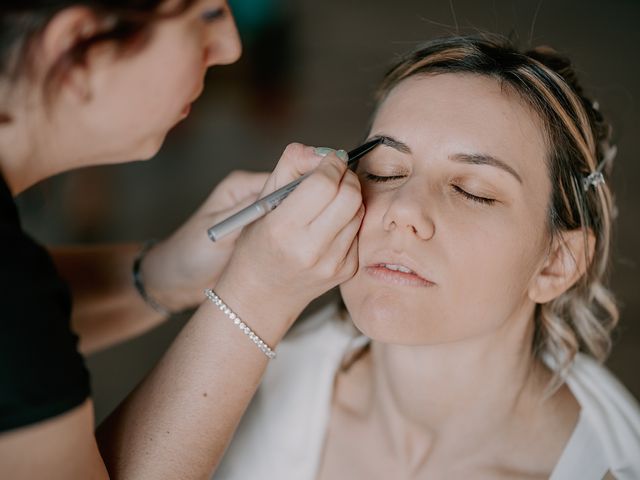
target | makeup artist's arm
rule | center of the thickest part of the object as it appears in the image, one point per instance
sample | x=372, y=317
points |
x=107, y=307
x=178, y=422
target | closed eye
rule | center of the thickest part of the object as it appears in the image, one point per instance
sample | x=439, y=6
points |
x=457, y=189
x=212, y=15
x=378, y=178
x=474, y=198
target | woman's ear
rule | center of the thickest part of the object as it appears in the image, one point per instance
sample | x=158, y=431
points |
x=568, y=259
x=65, y=30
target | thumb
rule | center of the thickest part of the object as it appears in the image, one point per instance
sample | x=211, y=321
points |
x=221, y=215
x=237, y=187
x=238, y=205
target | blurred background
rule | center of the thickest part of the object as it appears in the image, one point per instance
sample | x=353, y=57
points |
x=307, y=74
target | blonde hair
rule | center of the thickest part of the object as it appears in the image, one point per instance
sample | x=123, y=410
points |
x=582, y=318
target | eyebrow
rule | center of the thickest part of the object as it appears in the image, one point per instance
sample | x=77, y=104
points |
x=468, y=158
x=482, y=159
x=393, y=143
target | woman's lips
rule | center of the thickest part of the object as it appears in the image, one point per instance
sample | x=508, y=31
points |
x=186, y=110
x=396, y=276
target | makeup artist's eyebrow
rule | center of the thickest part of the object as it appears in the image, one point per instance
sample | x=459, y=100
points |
x=482, y=159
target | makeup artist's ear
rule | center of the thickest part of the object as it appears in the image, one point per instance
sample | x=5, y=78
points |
x=568, y=259
x=67, y=29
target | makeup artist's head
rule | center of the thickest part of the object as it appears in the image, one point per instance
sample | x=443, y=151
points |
x=113, y=76
x=479, y=194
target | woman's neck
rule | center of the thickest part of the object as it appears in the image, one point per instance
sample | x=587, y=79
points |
x=458, y=393
x=18, y=158
x=33, y=148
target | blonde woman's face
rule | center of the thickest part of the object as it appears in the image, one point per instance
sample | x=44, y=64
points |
x=455, y=223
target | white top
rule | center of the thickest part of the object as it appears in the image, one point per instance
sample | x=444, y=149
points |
x=282, y=433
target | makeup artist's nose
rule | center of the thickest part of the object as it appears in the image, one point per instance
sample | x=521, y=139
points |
x=407, y=214
x=223, y=42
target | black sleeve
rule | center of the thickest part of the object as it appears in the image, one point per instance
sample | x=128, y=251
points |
x=42, y=374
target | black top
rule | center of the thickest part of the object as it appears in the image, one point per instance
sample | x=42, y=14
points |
x=41, y=372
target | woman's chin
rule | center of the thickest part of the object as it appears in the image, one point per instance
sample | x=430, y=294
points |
x=400, y=332
x=387, y=319
x=385, y=324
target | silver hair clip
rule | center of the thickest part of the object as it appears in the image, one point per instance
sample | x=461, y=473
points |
x=596, y=177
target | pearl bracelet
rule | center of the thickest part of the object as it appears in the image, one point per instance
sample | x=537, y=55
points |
x=211, y=295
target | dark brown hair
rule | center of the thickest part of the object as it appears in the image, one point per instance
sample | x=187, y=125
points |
x=578, y=141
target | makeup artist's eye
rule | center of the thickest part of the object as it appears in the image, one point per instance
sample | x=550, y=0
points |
x=378, y=178
x=212, y=15
x=473, y=198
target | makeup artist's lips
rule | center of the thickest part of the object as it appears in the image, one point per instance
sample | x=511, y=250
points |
x=187, y=109
x=398, y=273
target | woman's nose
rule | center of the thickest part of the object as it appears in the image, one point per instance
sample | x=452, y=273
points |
x=408, y=214
x=223, y=43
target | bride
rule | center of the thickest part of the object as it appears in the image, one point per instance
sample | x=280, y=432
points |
x=479, y=300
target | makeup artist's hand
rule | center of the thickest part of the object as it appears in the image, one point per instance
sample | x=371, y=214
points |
x=301, y=249
x=178, y=269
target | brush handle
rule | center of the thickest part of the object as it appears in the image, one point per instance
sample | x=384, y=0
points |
x=264, y=205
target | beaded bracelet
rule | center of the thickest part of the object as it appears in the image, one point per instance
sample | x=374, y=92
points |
x=211, y=295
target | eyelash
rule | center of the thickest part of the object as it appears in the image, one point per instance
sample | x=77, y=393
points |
x=212, y=15
x=457, y=189
x=474, y=198
x=377, y=178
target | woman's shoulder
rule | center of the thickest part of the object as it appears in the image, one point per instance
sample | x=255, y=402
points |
x=596, y=388
x=612, y=412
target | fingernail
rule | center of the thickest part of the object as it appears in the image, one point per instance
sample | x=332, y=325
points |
x=323, y=151
x=342, y=155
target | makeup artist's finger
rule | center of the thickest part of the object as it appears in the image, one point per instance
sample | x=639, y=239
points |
x=340, y=251
x=296, y=160
x=341, y=209
x=236, y=188
x=343, y=241
x=316, y=192
x=350, y=262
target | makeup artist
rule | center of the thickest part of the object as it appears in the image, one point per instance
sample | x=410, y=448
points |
x=85, y=83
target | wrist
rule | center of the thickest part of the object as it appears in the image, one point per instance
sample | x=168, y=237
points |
x=143, y=276
x=242, y=326
x=268, y=315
